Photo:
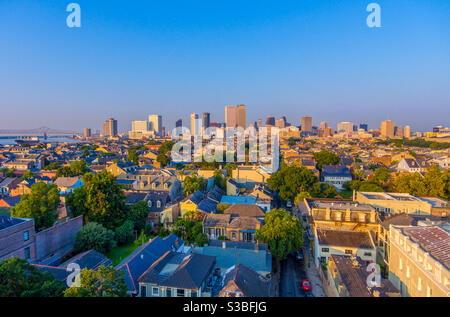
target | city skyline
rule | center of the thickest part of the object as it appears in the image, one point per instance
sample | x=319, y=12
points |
x=312, y=58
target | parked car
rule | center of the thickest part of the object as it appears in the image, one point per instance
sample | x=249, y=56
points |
x=306, y=286
x=299, y=255
x=289, y=204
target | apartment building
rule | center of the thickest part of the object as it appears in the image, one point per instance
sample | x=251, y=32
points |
x=394, y=203
x=420, y=260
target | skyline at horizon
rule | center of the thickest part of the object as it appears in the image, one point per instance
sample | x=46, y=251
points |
x=315, y=58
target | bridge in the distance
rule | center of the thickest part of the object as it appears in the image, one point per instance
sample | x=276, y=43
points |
x=37, y=132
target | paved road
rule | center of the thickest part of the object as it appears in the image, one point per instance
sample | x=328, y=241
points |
x=291, y=274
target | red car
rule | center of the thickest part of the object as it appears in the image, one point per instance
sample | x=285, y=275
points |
x=306, y=286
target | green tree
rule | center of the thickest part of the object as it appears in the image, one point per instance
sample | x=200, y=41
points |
x=435, y=182
x=79, y=167
x=138, y=213
x=125, y=233
x=381, y=176
x=163, y=159
x=41, y=204
x=193, y=183
x=93, y=236
x=8, y=172
x=101, y=200
x=18, y=278
x=103, y=282
x=219, y=180
x=133, y=156
x=282, y=232
x=291, y=181
x=221, y=207
x=28, y=175
x=413, y=184
x=301, y=196
x=190, y=230
x=166, y=147
x=326, y=158
x=52, y=166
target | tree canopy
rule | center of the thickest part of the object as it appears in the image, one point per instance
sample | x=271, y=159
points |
x=291, y=181
x=326, y=158
x=434, y=183
x=138, y=214
x=193, y=183
x=101, y=200
x=282, y=232
x=133, y=156
x=18, y=278
x=41, y=204
x=103, y=282
x=94, y=236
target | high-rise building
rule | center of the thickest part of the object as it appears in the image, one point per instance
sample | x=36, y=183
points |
x=387, y=129
x=407, y=131
x=323, y=126
x=259, y=123
x=206, y=120
x=398, y=132
x=307, y=124
x=241, y=116
x=230, y=116
x=194, y=124
x=139, y=126
x=179, y=123
x=155, y=123
x=270, y=121
x=109, y=128
x=345, y=127
x=364, y=127
x=280, y=123
x=87, y=132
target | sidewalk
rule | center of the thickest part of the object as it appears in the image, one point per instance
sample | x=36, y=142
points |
x=314, y=279
x=312, y=273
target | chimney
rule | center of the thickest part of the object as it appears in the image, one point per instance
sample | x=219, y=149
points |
x=328, y=214
x=348, y=214
x=372, y=216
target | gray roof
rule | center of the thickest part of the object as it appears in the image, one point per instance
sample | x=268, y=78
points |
x=344, y=238
x=246, y=281
x=180, y=270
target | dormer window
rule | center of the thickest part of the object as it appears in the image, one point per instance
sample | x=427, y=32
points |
x=158, y=204
x=149, y=203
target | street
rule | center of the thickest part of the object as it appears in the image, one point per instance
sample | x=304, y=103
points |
x=292, y=273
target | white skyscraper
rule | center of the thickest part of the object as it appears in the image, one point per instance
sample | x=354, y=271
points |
x=155, y=123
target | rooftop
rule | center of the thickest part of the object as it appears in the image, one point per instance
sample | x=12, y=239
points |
x=339, y=205
x=344, y=238
x=8, y=222
x=434, y=240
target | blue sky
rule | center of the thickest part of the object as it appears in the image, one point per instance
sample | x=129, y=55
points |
x=294, y=58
